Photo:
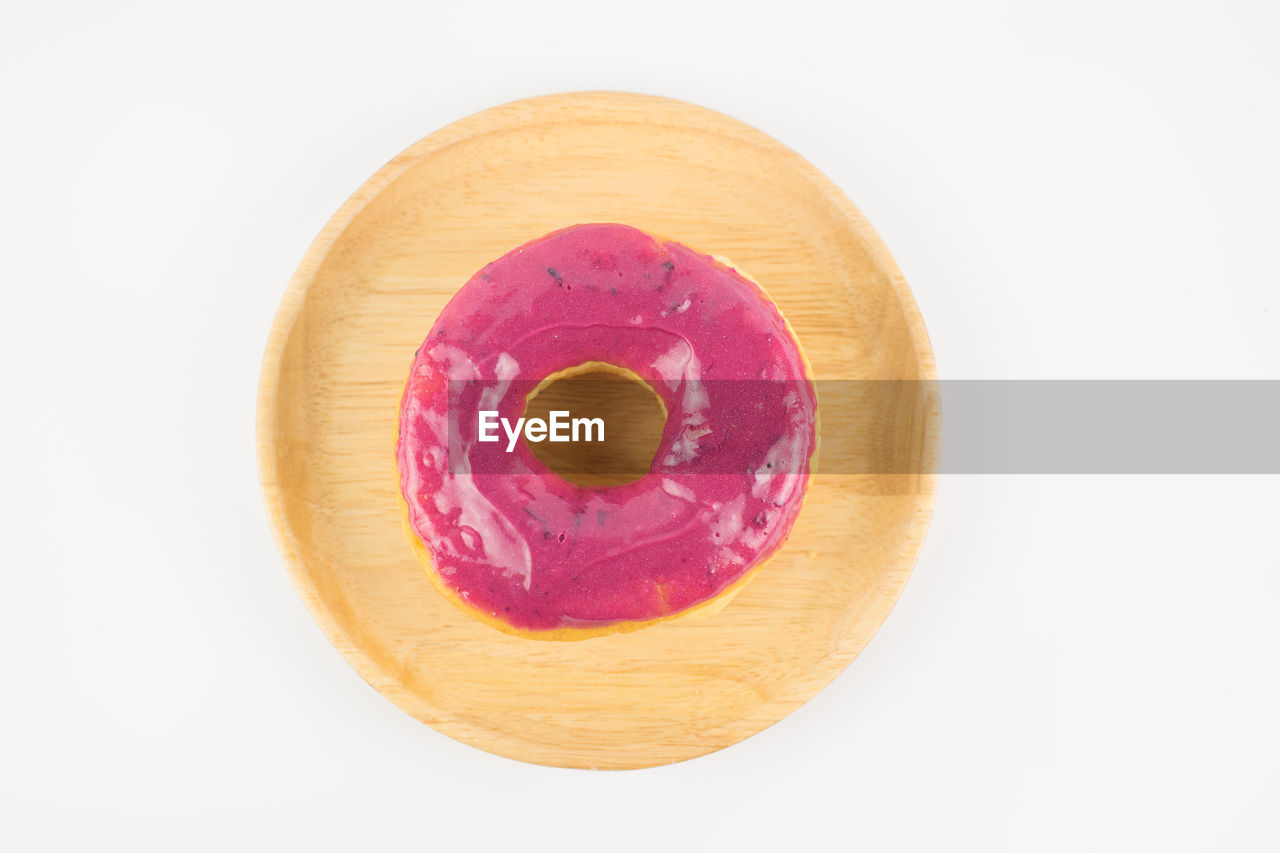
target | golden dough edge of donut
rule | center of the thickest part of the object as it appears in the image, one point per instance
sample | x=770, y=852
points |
x=710, y=606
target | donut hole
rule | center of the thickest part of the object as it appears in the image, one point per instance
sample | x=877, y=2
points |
x=633, y=415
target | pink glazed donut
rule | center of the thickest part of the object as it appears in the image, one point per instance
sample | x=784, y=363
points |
x=512, y=543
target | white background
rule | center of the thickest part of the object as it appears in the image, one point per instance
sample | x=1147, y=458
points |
x=1074, y=190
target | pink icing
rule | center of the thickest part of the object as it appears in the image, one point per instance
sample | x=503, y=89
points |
x=512, y=538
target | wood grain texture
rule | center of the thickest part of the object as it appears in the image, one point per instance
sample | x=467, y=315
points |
x=363, y=299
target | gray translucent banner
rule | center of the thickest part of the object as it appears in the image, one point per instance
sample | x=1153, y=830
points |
x=1110, y=427
x=907, y=427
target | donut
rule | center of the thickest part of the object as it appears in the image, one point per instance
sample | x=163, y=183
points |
x=508, y=540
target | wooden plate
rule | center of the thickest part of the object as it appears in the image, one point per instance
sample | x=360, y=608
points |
x=362, y=301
